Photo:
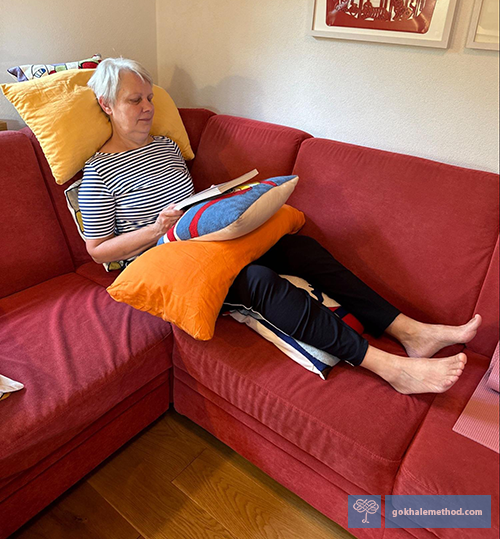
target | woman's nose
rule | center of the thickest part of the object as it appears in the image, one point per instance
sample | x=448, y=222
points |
x=147, y=105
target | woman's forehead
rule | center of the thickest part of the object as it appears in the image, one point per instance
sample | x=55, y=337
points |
x=130, y=83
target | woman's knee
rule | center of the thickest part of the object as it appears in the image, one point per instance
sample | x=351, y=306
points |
x=255, y=283
x=256, y=276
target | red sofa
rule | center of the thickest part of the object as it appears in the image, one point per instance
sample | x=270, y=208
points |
x=423, y=234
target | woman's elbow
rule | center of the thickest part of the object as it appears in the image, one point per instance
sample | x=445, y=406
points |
x=95, y=252
x=96, y=258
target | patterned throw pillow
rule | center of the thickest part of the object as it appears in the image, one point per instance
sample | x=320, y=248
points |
x=233, y=214
x=35, y=71
x=308, y=356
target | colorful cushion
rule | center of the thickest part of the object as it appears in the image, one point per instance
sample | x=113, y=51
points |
x=35, y=71
x=186, y=282
x=233, y=214
x=308, y=356
x=66, y=118
x=71, y=194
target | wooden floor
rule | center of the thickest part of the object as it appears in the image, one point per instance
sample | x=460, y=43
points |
x=176, y=481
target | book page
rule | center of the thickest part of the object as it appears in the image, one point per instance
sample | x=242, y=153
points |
x=216, y=190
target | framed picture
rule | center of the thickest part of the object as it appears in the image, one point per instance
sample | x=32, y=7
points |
x=423, y=23
x=483, y=31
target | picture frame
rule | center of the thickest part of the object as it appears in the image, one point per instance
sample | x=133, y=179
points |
x=484, y=26
x=422, y=23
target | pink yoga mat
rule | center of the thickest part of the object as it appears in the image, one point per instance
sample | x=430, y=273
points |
x=479, y=420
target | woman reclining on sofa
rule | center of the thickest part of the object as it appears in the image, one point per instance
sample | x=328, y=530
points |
x=124, y=213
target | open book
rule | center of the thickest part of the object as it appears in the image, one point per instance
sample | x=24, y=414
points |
x=215, y=190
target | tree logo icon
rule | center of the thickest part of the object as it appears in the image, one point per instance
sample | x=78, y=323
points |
x=366, y=506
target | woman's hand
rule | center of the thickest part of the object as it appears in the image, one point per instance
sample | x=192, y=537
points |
x=134, y=243
x=166, y=220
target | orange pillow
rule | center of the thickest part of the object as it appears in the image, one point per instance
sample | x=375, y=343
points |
x=186, y=282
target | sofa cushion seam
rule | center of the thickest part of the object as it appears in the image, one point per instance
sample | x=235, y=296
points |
x=302, y=413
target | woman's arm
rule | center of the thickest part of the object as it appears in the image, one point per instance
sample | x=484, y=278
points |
x=124, y=246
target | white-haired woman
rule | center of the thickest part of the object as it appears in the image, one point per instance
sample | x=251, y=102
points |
x=131, y=183
x=126, y=199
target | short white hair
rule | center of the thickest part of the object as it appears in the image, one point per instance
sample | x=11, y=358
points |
x=105, y=82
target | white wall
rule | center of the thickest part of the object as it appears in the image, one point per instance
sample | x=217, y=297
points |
x=255, y=59
x=51, y=31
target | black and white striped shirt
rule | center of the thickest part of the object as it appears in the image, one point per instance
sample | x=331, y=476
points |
x=122, y=192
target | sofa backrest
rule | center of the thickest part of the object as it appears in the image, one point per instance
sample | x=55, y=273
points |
x=421, y=233
x=488, y=306
x=75, y=242
x=32, y=245
x=195, y=121
x=232, y=146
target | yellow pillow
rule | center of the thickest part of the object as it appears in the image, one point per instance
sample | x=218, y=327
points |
x=66, y=118
x=186, y=282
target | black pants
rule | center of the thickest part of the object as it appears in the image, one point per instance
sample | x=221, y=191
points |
x=260, y=288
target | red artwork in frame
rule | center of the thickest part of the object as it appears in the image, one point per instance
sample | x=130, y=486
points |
x=395, y=15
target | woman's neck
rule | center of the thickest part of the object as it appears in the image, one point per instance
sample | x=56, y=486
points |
x=120, y=143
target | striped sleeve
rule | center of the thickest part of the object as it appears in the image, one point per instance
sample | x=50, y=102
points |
x=97, y=205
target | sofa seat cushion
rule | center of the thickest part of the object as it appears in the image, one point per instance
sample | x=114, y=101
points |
x=78, y=353
x=97, y=273
x=440, y=461
x=346, y=422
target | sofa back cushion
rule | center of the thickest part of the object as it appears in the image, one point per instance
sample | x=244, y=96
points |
x=420, y=233
x=195, y=121
x=32, y=246
x=488, y=307
x=231, y=146
x=75, y=242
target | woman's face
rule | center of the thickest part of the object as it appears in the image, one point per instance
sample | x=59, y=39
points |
x=132, y=113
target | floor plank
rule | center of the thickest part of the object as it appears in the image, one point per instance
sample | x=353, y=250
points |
x=330, y=529
x=80, y=514
x=247, y=509
x=177, y=481
x=137, y=483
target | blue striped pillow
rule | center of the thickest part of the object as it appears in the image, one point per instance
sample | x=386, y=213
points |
x=233, y=214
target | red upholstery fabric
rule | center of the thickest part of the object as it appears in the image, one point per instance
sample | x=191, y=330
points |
x=56, y=192
x=78, y=353
x=185, y=384
x=293, y=472
x=97, y=273
x=440, y=461
x=232, y=146
x=32, y=245
x=488, y=306
x=39, y=486
x=346, y=422
x=195, y=121
x=420, y=233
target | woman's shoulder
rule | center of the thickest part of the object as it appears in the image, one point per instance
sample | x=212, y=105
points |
x=165, y=140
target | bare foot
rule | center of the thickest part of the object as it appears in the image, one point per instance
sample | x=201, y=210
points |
x=412, y=376
x=425, y=340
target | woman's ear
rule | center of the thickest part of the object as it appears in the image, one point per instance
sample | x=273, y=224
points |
x=104, y=106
